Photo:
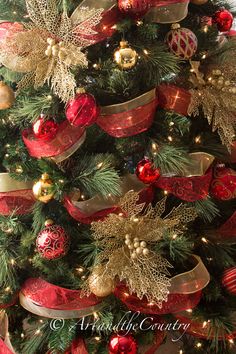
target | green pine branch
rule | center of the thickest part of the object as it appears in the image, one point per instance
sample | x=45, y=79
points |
x=171, y=159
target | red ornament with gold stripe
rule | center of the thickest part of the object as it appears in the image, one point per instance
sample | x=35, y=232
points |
x=229, y=280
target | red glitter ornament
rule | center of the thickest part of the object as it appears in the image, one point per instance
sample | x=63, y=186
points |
x=120, y=344
x=223, y=185
x=229, y=280
x=44, y=129
x=223, y=19
x=146, y=172
x=82, y=110
x=52, y=242
x=134, y=8
x=181, y=41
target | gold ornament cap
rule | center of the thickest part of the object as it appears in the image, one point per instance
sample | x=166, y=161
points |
x=44, y=177
x=49, y=222
x=80, y=90
x=124, y=44
x=175, y=26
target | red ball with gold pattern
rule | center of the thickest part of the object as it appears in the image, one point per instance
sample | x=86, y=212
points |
x=223, y=185
x=52, y=242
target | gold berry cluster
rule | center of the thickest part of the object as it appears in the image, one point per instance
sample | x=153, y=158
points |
x=57, y=50
x=136, y=246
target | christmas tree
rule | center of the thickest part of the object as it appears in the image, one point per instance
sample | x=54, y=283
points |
x=118, y=177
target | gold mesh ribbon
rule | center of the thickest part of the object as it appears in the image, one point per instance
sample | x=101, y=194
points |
x=8, y=184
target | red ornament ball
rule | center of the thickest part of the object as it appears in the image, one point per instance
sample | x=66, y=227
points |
x=45, y=129
x=52, y=242
x=181, y=41
x=229, y=280
x=134, y=8
x=82, y=110
x=223, y=185
x=146, y=172
x=223, y=19
x=120, y=344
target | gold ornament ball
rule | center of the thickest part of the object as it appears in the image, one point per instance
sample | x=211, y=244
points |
x=7, y=96
x=125, y=57
x=99, y=284
x=43, y=189
x=199, y=2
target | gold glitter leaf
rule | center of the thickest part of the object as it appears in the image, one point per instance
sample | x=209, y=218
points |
x=50, y=46
x=127, y=245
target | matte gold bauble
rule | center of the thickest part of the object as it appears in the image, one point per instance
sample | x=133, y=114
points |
x=99, y=284
x=43, y=189
x=199, y=2
x=125, y=56
x=7, y=96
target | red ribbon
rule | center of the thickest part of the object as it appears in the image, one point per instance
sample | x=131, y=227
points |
x=6, y=28
x=66, y=137
x=223, y=185
x=200, y=330
x=189, y=189
x=3, y=348
x=159, y=337
x=175, y=302
x=78, y=347
x=51, y=296
x=20, y=202
x=83, y=218
x=174, y=98
x=130, y=122
x=106, y=28
x=228, y=229
x=146, y=195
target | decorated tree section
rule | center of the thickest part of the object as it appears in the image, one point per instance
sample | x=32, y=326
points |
x=118, y=177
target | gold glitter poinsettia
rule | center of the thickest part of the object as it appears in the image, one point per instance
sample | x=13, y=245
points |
x=127, y=240
x=216, y=94
x=49, y=46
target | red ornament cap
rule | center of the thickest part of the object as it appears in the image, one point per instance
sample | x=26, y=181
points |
x=146, y=172
x=122, y=344
x=223, y=19
x=82, y=110
x=52, y=242
x=45, y=130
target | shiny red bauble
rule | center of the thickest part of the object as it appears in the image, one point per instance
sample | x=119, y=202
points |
x=121, y=344
x=146, y=172
x=223, y=185
x=82, y=110
x=134, y=8
x=52, y=242
x=45, y=129
x=229, y=280
x=223, y=19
